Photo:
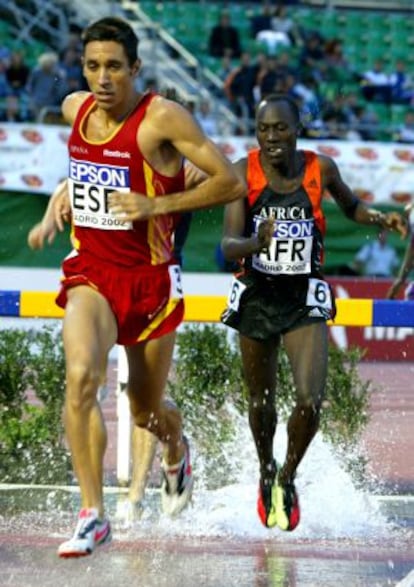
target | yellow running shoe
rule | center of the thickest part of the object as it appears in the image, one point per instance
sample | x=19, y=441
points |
x=287, y=510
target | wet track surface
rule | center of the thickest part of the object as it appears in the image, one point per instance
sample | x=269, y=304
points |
x=347, y=536
x=224, y=552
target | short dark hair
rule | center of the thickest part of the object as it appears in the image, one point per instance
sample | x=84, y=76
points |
x=280, y=97
x=112, y=28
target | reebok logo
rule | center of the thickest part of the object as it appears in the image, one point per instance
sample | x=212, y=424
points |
x=117, y=154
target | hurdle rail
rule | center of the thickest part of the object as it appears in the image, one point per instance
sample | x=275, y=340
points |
x=207, y=308
x=199, y=309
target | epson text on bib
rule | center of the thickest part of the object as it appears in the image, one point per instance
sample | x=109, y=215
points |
x=290, y=250
x=89, y=187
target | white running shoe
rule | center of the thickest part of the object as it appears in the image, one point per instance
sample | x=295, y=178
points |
x=90, y=532
x=177, y=485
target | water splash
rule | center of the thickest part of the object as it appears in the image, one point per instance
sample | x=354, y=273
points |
x=333, y=508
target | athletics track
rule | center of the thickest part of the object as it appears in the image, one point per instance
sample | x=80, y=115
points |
x=345, y=538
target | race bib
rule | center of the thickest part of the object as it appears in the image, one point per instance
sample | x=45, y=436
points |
x=236, y=290
x=176, y=287
x=89, y=187
x=290, y=250
x=319, y=294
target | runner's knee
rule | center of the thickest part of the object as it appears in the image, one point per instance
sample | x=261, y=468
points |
x=82, y=382
x=144, y=418
x=309, y=404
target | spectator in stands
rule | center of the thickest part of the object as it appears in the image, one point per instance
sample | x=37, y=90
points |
x=4, y=54
x=239, y=87
x=260, y=66
x=274, y=28
x=377, y=258
x=337, y=67
x=4, y=86
x=224, y=38
x=71, y=65
x=368, y=124
x=17, y=73
x=13, y=112
x=206, y=118
x=375, y=83
x=312, y=56
x=269, y=76
x=303, y=91
x=339, y=120
x=274, y=40
x=402, y=85
x=261, y=21
x=226, y=66
x=405, y=132
x=74, y=40
x=46, y=85
x=281, y=23
x=9, y=112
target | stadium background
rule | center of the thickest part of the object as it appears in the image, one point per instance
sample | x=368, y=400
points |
x=174, y=37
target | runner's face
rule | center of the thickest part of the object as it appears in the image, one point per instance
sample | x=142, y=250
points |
x=109, y=75
x=276, y=131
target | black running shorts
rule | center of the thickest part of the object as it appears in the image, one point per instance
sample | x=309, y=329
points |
x=262, y=307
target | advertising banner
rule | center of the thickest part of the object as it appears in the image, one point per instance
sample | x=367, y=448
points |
x=33, y=158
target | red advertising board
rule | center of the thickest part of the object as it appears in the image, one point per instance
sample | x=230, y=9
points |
x=381, y=343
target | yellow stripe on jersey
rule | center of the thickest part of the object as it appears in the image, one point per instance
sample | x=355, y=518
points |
x=158, y=227
x=159, y=318
x=75, y=241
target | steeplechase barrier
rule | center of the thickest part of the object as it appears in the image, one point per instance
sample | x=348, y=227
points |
x=207, y=308
x=199, y=309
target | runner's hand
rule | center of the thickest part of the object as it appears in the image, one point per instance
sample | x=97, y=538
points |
x=265, y=233
x=130, y=205
x=61, y=211
x=41, y=232
x=396, y=222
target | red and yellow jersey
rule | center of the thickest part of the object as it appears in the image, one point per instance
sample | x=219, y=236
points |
x=96, y=168
x=297, y=244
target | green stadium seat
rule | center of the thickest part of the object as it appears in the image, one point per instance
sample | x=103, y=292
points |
x=5, y=34
x=398, y=112
x=328, y=90
x=152, y=9
x=383, y=111
x=308, y=19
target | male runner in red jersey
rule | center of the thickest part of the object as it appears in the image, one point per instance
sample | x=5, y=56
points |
x=143, y=442
x=121, y=284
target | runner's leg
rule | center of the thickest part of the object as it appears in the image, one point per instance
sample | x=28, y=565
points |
x=307, y=350
x=260, y=369
x=89, y=331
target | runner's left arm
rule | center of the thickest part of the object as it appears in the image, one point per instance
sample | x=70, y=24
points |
x=352, y=206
